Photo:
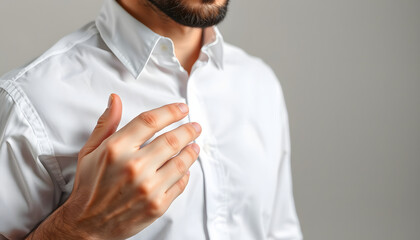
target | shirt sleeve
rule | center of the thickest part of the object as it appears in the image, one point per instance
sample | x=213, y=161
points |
x=284, y=221
x=27, y=192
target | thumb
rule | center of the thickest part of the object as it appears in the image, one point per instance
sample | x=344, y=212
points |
x=106, y=125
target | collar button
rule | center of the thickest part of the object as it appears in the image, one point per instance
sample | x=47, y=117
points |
x=164, y=48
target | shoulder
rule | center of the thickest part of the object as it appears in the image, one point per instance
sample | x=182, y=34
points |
x=252, y=70
x=34, y=87
x=257, y=84
x=236, y=56
x=61, y=50
x=39, y=84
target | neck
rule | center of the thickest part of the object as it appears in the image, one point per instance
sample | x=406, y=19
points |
x=187, y=40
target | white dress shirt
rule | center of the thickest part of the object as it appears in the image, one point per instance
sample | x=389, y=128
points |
x=240, y=187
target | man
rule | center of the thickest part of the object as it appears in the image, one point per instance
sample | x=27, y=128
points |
x=187, y=95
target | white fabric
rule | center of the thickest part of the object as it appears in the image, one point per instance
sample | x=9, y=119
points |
x=240, y=186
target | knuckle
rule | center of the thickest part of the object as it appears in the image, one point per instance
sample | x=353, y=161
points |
x=140, y=163
x=191, y=131
x=173, y=110
x=101, y=121
x=172, y=140
x=182, y=183
x=145, y=188
x=149, y=119
x=131, y=171
x=155, y=207
x=191, y=153
x=111, y=151
x=180, y=165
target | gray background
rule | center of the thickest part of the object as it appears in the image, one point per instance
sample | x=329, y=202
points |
x=350, y=71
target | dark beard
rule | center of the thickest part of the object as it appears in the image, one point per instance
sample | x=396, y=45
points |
x=205, y=16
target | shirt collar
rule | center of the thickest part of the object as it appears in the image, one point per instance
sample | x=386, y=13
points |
x=133, y=43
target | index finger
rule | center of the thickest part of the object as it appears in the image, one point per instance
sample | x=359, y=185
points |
x=146, y=124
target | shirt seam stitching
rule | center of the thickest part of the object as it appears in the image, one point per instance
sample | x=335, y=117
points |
x=33, y=118
x=67, y=47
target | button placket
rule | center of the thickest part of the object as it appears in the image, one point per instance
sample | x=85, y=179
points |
x=206, y=158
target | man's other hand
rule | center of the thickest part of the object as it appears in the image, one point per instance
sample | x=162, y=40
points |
x=120, y=188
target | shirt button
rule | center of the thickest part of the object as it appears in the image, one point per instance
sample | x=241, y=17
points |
x=164, y=48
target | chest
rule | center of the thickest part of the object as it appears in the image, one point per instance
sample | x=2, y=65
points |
x=234, y=180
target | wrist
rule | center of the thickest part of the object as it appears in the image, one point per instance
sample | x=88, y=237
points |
x=57, y=226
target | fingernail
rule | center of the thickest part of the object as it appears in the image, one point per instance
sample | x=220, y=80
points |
x=183, y=107
x=111, y=97
x=188, y=172
x=196, y=126
x=196, y=148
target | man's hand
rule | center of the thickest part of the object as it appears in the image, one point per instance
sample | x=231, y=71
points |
x=120, y=188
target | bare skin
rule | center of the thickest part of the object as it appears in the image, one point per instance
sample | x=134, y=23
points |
x=119, y=188
x=187, y=40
